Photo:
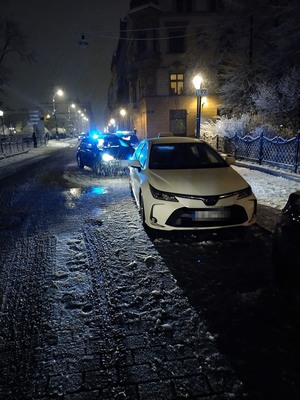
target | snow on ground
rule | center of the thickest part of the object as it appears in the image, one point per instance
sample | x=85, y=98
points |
x=271, y=191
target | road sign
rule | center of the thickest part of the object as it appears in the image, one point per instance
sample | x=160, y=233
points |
x=201, y=92
x=34, y=116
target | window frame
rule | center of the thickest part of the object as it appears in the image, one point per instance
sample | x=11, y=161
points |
x=178, y=90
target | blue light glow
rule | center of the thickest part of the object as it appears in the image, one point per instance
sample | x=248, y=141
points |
x=98, y=190
x=94, y=134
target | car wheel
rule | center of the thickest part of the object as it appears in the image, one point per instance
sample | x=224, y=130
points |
x=98, y=168
x=79, y=162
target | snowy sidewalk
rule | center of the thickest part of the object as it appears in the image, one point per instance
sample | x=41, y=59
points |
x=272, y=188
x=12, y=163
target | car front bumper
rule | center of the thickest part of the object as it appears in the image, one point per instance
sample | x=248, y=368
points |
x=189, y=214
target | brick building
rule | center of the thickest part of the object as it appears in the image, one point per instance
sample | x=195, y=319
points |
x=160, y=50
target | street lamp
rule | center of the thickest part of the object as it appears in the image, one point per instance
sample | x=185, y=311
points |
x=2, y=117
x=71, y=125
x=197, y=81
x=197, y=84
x=60, y=93
x=112, y=125
x=123, y=114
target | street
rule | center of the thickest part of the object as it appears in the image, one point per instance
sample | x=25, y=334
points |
x=92, y=307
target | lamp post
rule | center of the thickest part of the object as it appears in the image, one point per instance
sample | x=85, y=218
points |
x=71, y=125
x=78, y=120
x=197, y=81
x=2, y=117
x=111, y=125
x=59, y=92
x=123, y=115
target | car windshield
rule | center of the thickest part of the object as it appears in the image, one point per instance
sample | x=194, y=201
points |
x=109, y=141
x=132, y=139
x=184, y=156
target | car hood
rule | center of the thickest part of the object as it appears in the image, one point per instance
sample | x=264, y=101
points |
x=208, y=182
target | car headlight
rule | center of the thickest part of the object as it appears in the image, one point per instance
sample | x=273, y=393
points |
x=159, y=195
x=241, y=194
x=100, y=143
x=107, y=157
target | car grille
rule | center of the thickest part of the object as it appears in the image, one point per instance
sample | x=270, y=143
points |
x=207, y=217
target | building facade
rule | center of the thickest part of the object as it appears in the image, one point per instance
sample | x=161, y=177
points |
x=160, y=50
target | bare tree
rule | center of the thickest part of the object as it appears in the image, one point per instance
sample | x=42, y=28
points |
x=12, y=41
x=279, y=101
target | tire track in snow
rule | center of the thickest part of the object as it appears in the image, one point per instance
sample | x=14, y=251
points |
x=162, y=344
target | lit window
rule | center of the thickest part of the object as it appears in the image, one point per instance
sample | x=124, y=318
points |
x=176, y=83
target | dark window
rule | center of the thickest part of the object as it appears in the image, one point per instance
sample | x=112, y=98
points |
x=141, y=42
x=184, y=5
x=176, y=83
x=176, y=41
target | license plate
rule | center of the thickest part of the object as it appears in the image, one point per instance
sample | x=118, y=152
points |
x=208, y=215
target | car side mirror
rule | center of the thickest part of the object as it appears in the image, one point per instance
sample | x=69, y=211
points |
x=135, y=164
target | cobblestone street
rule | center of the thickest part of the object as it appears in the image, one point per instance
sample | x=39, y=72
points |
x=93, y=308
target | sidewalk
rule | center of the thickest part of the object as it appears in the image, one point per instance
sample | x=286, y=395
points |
x=269, y=170
x=12, y=163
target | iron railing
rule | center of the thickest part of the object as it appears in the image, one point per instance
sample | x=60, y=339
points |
x=276, y=151
x=9, y=146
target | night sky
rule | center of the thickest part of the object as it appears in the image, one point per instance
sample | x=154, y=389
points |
x=55, y=29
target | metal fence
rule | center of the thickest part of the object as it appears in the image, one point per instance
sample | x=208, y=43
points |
x=277, y=151
x=10, y=146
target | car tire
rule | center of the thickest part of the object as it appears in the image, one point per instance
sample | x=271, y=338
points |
x=98, y=168
x=79, y=162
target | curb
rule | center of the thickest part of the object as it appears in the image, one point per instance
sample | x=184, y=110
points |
x=274, y=172
x=5, y=156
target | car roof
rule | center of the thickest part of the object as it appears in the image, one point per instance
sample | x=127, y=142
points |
x=172, y=139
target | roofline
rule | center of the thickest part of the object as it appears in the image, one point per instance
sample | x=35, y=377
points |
x=143, y=7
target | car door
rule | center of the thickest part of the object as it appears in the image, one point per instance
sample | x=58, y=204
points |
x=89, y=152
x=138, y=174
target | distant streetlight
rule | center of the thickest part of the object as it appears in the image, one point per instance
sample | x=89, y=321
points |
x=60, y=93
x=111, y=125
x=71, y=125
x=123, y=115
x=78, y=115
x=2, y=117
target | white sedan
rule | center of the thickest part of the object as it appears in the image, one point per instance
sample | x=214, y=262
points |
x=182, y=183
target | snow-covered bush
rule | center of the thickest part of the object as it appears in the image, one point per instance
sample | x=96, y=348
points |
x=228, y=127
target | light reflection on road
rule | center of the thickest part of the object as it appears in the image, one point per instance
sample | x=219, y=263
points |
x=74, y=194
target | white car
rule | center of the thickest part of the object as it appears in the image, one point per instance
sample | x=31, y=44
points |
x=182, y=183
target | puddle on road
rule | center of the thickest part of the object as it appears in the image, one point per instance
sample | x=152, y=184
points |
x=74, y=194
